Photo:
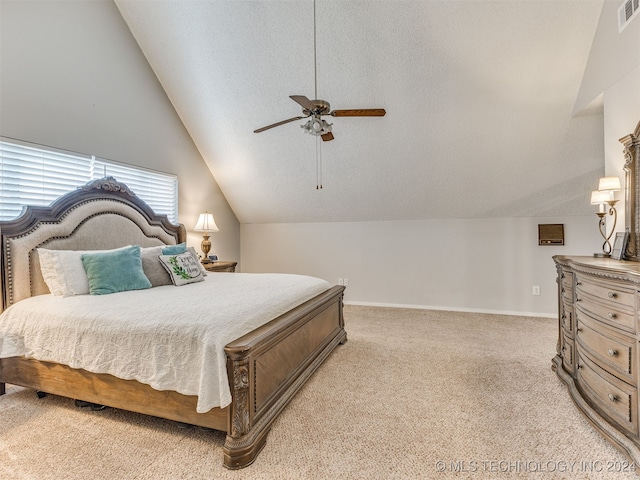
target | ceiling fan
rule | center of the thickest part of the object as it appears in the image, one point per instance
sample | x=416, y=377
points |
x=316, y=109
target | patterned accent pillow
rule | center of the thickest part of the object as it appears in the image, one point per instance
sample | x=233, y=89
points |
x=195, y=255
x=183, y=268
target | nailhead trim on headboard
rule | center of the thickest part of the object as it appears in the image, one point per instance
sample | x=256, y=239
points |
x=33, y=218
x=10, y=292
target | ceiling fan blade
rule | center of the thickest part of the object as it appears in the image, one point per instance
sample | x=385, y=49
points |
x=327, y=137
x=364, y=112
x=303, y=101
x=278, y=124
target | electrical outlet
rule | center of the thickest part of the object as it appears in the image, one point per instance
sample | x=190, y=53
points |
x=341, y=281
x=536, y=290
x=345, y=281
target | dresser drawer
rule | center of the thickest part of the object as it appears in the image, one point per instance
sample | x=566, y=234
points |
x=566, y=286
x=566, y=317
x=610, y=395
x=617, y=295
x=608, y=313
x=610, y=349
x=568, y=352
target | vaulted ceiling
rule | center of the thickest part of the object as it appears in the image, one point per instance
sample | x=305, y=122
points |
x=479, y=97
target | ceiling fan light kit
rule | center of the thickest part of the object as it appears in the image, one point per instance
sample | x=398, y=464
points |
x=316, y=126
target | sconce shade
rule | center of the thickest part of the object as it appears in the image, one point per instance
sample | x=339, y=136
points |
x=608, y=184
x=206, y=223
x=598, y=197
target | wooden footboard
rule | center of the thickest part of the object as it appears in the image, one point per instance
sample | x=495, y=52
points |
x=269, y=365
x=266, y=368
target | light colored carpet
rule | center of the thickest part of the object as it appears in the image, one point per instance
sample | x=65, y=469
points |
x=410, y=389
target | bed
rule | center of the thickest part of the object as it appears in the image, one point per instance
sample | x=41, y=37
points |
x=263, y=367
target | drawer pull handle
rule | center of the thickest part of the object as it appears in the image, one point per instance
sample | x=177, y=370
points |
x=612, y=353
x=562, y=290
x=578, y=299
x=612, y=315
x=579, y=329
x=578, y=283
x=612, y=397
x=612, y=294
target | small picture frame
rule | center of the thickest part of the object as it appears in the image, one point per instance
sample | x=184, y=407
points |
x=213, y=257
x=619, y=245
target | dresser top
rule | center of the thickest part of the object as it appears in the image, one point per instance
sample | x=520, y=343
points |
x=602, y=267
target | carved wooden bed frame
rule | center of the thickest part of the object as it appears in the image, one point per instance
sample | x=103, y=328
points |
x=266, y=367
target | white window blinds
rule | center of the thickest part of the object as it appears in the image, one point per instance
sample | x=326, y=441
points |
x=34, y=175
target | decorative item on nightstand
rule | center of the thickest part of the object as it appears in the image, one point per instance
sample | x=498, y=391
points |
x=605, y=195
x=206, y=224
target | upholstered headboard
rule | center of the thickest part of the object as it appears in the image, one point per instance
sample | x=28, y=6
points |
x=102, y=214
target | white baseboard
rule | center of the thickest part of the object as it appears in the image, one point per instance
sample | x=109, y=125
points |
x=452, y=309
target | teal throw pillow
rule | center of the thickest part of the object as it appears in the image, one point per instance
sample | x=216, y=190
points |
x=175, y=249
x=115, y=271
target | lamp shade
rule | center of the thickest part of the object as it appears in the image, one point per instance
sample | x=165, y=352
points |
x=206, y=223
x=608, y=184
x=598, y=197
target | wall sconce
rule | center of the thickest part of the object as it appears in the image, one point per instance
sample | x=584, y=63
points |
x=206, y=224
x=605, y=195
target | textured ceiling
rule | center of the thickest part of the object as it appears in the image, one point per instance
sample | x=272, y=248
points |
x=479, y=98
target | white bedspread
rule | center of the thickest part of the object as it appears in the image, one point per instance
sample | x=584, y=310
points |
x=171, y=338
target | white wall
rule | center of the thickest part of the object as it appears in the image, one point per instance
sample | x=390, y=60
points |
x=613, y=55
x=470, y=264
x=621, y=115
x=73, y=77
x=613, y=74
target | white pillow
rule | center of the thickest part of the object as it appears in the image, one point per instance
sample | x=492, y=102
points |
x=63, y=272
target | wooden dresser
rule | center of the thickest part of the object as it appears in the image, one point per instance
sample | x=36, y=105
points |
x=597, y=350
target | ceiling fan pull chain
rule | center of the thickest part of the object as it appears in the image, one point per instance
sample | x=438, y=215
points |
x=318, y=164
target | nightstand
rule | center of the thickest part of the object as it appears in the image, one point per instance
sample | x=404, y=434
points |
x=220, y=266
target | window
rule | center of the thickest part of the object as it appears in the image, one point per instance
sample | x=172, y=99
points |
x=35, y=175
